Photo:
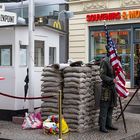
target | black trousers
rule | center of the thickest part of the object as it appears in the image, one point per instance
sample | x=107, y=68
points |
x=105, y=115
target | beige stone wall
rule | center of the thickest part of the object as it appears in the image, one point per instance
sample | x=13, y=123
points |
x=77, y=38
x=78, y=26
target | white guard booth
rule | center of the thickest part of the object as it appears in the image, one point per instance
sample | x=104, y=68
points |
x=13, y=62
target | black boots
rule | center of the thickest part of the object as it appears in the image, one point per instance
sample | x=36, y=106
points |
x=104, y=130
x=111, y=128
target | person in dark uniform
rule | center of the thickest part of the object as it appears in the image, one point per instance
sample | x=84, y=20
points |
x=108, y=98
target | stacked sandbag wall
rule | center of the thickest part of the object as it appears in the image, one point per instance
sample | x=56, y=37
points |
x=97, y=84
x=78, y=102
x=51, y=85
x=81, y=87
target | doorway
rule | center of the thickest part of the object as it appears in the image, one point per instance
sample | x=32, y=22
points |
x=137, y=64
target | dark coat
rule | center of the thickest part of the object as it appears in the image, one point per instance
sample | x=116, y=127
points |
x=108, y=86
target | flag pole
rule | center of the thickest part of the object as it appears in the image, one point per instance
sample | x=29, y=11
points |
x=122, y=115
x=112, y=45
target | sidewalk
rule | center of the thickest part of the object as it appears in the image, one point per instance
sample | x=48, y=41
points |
x=13, y=131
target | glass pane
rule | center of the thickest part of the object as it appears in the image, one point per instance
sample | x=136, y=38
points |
x=137, y=64
x=5, y=55
x=52, y=55
x=39, y=53
x=121, y=38
x=99, y=43
x=23, y=55
x=122, y=41
x=137, y=34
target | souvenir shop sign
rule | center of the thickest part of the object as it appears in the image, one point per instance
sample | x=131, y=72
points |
x=7, y=18
x=123, y=15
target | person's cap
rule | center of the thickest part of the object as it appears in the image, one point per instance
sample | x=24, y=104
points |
x=97, y=58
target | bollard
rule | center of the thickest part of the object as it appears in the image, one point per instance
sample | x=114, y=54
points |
x=60, y=115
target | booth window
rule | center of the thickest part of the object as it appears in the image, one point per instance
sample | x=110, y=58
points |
x=39, y=53
x=5, y=55
x=23, y=55
x=52, y=55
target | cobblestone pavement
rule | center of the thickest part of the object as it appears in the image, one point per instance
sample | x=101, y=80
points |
x=13, y=131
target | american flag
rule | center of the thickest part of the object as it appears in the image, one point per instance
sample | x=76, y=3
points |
x=117, y=67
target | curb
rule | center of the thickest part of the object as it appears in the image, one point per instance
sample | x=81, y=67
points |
x=131, y=137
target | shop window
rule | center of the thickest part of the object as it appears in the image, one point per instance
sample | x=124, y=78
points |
x=121, y=39
x=39, y=53
x=23, y=55
x=137, y=34
x=5, y=55
x=52, y=55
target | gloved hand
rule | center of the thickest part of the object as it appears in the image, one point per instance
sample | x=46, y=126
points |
x=115, y=81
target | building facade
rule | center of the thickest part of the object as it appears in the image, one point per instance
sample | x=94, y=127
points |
x=46, y=13
x=49, y=46
x=87, y=35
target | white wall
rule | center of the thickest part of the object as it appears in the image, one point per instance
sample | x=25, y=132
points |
x=21, y=36
x=8, y=85
x=15, y=75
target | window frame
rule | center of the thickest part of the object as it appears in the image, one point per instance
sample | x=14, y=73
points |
x=42, y=60
x=6, y=47
x=54, y=55
x=23, y=47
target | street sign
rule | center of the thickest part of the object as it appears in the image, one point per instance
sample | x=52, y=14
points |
x=7, y=18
